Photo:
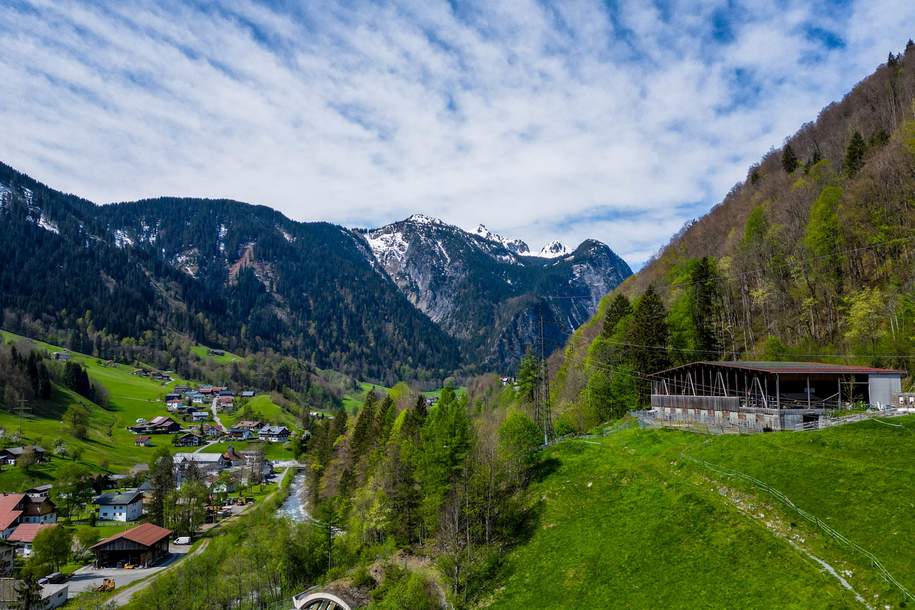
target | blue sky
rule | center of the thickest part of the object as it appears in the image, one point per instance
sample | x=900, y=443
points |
x=613, y=120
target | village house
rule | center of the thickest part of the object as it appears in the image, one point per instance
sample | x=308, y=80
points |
x=248, y=394
x=16, y=509
x=200, y=416
x=157, y=425
x=274, y=434
x=143, y=441
x=50, y=595
x=10, y=455
x=188, y=440
x=142, y=546
x=195, y=397
x=40, y=491
x=39, y=509
x=233, y=457
x=62, y=356
x=24, y=535
x=224, y=403
x=207, y=464
x=126, y=506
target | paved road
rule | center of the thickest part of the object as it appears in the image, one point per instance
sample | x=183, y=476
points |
x=88, y=577
x=216, y=419
x=121, y=598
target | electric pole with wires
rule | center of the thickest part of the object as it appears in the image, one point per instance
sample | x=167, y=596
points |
x=542, y=411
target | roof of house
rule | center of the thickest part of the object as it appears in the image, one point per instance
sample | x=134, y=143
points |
x=39, y=506
x=128, y=497
x=39, y=489
x=161, y=420
x=147, y=534
x=794, y=367
x=142, y=439
x=268, y=429
x=247, y=423
x=17, y=451
x=26, y=532
x=197, y=457
x=9, y=512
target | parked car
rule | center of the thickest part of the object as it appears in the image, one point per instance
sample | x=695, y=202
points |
x=183, y=540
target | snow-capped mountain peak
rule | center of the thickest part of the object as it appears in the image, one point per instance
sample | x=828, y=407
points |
x=513, y=245
x=554, y=249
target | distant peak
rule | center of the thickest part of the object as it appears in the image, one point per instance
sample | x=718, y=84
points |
x=424, y=220
x=554, y=249
x=512, y=245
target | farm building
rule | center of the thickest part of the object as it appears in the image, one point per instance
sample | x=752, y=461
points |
x=768, y=395
x=143, y=545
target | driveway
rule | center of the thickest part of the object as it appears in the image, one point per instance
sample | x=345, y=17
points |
x=87, y=578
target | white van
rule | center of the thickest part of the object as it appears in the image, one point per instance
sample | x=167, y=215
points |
x=183, y=540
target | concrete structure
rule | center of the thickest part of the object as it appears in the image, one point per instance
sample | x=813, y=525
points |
x=758, y=396
x=120, y=507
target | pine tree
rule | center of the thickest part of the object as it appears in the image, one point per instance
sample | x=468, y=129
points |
x=648, y=338
x=619, y=308
x=528, y=377
x=854, y=154
x=789, y=159
x=162, y=481
x=703, y=307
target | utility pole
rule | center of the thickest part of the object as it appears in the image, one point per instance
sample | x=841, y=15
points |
x=543, y=414
x=22, y=407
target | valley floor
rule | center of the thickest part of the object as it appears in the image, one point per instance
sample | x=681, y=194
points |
x=648, y=519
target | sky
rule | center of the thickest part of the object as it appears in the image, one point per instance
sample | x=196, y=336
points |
x=616, y=120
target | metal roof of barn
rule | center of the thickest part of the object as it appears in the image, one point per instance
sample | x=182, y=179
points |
x=797, y=368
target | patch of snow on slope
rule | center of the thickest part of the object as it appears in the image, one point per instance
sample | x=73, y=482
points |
x=6, y=195
x=122, y=239
x=45, y=223
x=285, y=234
x=422, y=219
x=386, y=245
x=149, y=233
x=220, y=240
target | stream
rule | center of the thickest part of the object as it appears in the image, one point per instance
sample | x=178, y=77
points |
x=295, y=507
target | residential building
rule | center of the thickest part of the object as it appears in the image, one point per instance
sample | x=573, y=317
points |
x=157, y=425
x=39, y=510
x=24, y=535
x=188, y=440
x=126, y=506
x=274, y=434
x=10, y=455
x=49, y=597
x=143, y=441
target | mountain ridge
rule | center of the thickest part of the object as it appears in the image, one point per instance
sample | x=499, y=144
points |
x=245, y=276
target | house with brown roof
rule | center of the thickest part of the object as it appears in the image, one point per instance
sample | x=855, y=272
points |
x=143, y=545
x=39, y=510
x=157, y=425
x=10, y=455
x=143, y=441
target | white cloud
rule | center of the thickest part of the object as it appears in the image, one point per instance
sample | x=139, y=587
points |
x=538, y=120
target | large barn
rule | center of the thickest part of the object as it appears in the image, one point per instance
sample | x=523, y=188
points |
x=143, y=545
x=768, y=395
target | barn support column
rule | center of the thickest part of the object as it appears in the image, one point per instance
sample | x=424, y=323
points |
x=778, y=393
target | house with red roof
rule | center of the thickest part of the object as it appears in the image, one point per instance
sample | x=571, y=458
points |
x=24, y=535
x=12, y=506
x=143, y=545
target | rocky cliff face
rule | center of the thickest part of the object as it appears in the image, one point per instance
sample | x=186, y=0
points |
x=488, y=291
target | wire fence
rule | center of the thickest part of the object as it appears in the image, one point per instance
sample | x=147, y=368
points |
x=819, y=523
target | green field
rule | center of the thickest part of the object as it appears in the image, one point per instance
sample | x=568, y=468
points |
x=272, y=451
x=204, y=353
x=130, y=397
x=631, y=520
x=267, y=410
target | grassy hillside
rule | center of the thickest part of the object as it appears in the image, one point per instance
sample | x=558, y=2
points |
x=110, y=446
x=631, y=520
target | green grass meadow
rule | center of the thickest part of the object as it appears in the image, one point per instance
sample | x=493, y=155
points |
x=626, y=521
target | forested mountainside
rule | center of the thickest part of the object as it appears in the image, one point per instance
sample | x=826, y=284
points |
x=417, y=299
x=809, y=258
x=488, y=292
x=223, y=273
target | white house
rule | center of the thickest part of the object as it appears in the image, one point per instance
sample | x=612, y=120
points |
x=126, y=506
